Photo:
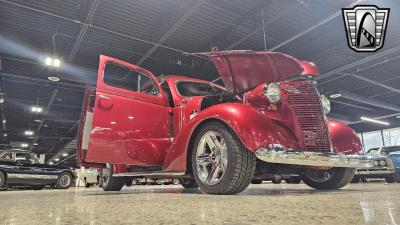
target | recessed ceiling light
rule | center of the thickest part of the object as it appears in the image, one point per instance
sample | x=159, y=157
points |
x=38, y=121
x=51, y=163
x=35, y=144
x=5, y=135
x=57, y=159
x=4, y=121
x=55, y=79
x=398, y=117
x=335, y=96
x=65, y=154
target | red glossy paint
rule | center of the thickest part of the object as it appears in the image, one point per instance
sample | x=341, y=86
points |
x=136, y=129
x=128, y=127
x=344, y=139
x=309, y=68
x=242, y=71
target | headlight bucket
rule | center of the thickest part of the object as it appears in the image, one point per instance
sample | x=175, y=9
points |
x=272, y=92
x=326, y=104
x=382, y=163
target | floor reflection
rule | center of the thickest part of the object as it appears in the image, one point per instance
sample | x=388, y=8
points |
x=372, y=203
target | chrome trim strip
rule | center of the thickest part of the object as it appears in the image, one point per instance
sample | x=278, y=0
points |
x=143, y=173
x=374, y=172
x=320, y=159
x=31, y=176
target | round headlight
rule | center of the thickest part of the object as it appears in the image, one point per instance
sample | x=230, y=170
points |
x=326, y=104
x=376, y=163
x=272, y=92
x=382, y=163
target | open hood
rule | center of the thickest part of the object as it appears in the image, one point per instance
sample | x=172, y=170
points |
x=242, y=71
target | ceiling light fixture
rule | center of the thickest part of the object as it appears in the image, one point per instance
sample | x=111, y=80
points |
x=52, y=78
x=65, y=154
x=2, y=100
x=57, y=159
x=5, y=135
x=35, y=144
x=4, y=121
x=28, y=133
x=48, y=61
x=333, y=96
x=24, y=145
x=52, y=62
x=51, y=163
x=36, y=109
x=374, y=121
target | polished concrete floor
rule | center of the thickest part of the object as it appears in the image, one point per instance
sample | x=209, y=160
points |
x=371, y=203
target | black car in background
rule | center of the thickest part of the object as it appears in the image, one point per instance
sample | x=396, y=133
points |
x=22, y=168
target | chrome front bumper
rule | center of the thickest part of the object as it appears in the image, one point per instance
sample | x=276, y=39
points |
x=318, y=159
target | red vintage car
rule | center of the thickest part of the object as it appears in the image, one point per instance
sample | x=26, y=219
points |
x=269, y=118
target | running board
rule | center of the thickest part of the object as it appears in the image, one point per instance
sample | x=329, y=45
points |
x=149, y=173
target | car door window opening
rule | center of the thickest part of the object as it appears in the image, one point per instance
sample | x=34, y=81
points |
x=123, y=77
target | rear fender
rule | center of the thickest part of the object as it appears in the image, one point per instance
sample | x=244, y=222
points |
x=344, y=139
x=253, y=128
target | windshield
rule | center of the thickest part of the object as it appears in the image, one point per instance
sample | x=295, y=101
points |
x=190, y=88
x=391, y=150
x=373, y=152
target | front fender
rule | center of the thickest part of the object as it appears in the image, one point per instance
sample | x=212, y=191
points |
x=253, y=128
x=344, y=139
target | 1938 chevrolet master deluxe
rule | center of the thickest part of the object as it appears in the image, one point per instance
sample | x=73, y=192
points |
x=269, y=118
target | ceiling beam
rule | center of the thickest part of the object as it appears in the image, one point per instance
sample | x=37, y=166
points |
x=319, y=24
x=364, y=60
x=99, y=28
x=84, y=28
x=169, y=33
x=365, y=100
x=232, y=26
x=61, y=141
x=372, y=82
x=46, y=111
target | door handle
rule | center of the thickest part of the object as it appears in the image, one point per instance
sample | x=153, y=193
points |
x=104, y=97
x=105, y=102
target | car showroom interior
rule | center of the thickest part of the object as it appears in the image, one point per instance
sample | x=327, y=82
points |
x=199, y=112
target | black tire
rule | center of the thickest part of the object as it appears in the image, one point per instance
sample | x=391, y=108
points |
x=364, y=179
x=338, y=178
x=240, y=167
x=355, y=180
x=276, y=180
x=64, y=181
x=87, y=185
x=256, y=181
x=2, y=179
x=188, y=183
x=37, y=188
x=389, y=179
x=128, y=181
x=111, y=183
x=295, y=180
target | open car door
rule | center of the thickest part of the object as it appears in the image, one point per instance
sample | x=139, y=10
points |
x=127, y=121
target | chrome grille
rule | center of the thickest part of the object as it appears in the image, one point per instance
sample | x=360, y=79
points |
x=304, y=100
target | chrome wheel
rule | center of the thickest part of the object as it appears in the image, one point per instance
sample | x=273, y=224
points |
x=211, y=157
x=65, y=180
x=106, y=173
x=320, y=175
